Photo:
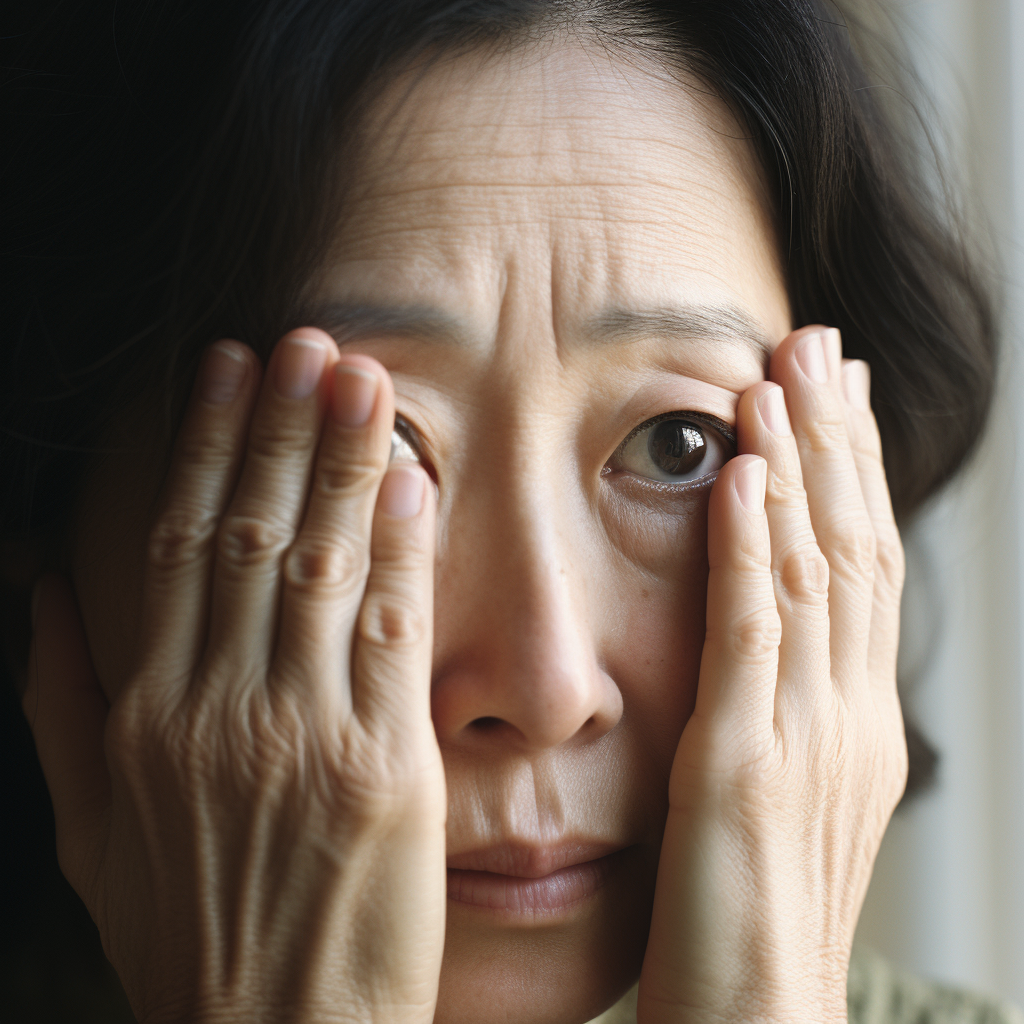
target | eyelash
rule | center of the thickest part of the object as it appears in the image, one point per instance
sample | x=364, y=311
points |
x=696, y=417
x=408, y=433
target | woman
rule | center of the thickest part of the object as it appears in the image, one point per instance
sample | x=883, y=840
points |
x=478, y=595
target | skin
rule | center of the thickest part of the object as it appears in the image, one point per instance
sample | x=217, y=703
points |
x=256, y=797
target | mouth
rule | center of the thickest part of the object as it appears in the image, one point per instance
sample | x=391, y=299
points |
x=529, y=881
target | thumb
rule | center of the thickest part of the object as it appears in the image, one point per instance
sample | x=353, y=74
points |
x=67, y=711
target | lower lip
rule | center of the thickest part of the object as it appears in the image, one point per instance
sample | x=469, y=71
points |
x=529, y=897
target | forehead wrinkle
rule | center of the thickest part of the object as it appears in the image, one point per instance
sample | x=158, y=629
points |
x=634, y=193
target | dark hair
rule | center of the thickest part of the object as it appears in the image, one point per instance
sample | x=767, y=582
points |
x=168, y=166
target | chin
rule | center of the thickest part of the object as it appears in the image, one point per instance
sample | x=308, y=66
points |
x=561, y=967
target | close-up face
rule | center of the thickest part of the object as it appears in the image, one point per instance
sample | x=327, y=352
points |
x=564, y=259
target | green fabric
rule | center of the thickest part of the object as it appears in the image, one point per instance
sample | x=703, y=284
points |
x=878, y=993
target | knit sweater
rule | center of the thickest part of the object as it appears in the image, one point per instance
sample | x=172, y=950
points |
x=878, y=993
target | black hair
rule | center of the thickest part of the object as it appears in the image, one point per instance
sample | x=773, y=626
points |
x=168, y=166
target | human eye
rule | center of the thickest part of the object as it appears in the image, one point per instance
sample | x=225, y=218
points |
x=405, y=445
x=675, y=448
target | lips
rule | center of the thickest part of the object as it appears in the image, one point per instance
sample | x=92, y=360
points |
x=519, y=879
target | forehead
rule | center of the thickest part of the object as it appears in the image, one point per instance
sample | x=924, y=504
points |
x=563, y=177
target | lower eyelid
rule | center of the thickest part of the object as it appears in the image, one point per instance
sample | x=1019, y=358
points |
x=655, y=497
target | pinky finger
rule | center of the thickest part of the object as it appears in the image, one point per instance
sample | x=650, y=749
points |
x=204, y=466
x=394, y=634
x=739, y=664
x=866, y=445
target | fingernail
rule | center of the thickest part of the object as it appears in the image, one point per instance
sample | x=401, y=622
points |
x=772, y=407
x=750, y=479
x=37, y=593
x=401, y=492
x=223, y=373
x=299, y=365
x=857, y=384
x=810, y=356
x=833, y=344
x=354, y=393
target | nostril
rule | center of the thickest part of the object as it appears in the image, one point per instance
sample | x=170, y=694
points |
x=486, y=724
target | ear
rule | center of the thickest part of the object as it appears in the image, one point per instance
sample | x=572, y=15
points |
x=67, y=712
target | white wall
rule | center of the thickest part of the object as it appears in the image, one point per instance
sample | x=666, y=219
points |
x=947, y=899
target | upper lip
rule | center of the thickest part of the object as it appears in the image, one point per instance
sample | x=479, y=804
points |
x=527, y=860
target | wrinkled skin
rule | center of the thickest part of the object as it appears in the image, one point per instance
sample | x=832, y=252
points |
x=255, y=796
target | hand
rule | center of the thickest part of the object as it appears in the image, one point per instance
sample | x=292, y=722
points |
x=256, y=823
x=789, y=769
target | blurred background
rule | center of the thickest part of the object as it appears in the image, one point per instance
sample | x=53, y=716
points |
x=947, y=898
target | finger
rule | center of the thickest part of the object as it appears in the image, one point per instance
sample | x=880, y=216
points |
x=799, y=571
x=204, y=467
x=67, y=712
x=394, y=636
x=807, y=365
x=739, y=664
x=325, y=571
x=263, y=515
x=866, y=444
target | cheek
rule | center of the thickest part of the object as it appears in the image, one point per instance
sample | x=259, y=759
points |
x=659, y=636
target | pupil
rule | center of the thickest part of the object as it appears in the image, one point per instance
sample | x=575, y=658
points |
x=676, y=447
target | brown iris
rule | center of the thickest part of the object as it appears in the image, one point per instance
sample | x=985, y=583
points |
x=676, y=447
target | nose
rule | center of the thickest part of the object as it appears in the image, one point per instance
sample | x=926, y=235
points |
x=516, y=661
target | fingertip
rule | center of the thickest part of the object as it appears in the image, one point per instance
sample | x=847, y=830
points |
x=856, y=377
x=403, y=491
x=771, y=407
x=354, y=393
x=226, y=366
x=750, y=477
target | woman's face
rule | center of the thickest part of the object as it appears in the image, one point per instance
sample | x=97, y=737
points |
x=547, y=250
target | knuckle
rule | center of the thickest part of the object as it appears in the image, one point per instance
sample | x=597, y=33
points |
x=786, y=490
x=890, y=561
x=278, y=442
x=127, y=731
x=852, y=551
x=400, y=548
x=180, y=536
x=824, y=434
x=803, y=573
x=318, y=564
x=754, y=638
x=392, y=619
x=867, y=447
x=382, y=780
x=247, y=541
x=339, y=477
x=210, y=449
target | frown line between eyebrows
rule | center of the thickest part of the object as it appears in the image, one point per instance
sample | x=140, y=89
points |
x=616, y=325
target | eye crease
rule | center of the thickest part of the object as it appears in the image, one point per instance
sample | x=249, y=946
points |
x=675, y=448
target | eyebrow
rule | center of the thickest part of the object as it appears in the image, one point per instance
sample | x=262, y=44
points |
x=346, y=321
x=687, y=323
x=615, y=325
